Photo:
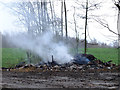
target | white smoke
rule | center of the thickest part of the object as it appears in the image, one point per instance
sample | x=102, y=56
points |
x=44, y=46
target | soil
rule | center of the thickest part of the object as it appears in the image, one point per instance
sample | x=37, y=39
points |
x=60, y=79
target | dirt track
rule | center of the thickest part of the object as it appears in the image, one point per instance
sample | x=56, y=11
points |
x=63, y=79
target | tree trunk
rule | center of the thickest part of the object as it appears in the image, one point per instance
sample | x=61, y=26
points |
x=62, y=18
x=28, y=57
x=39, y=20
x=86, y=26
x=118, y=24
x=77, y=36
x=65, y=19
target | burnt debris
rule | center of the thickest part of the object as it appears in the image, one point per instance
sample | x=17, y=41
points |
x=80, y=59
x=79, y=62
x=20, y=64
x=89, y=56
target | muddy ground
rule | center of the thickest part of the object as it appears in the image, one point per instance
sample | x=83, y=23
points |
x=61, y=79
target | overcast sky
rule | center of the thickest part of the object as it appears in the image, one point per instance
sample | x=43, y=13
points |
x=8, y=21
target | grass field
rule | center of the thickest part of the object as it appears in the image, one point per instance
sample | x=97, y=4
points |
x=12, y=56
x=105, y=54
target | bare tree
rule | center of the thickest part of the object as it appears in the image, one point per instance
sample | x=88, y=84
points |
x=52, y=15
x=105, y=24
x=34, y=16
x=65, y=19
x=86, y=9
x=86, y=17
x=62, y=17
x=76, y=32
x=118, y=22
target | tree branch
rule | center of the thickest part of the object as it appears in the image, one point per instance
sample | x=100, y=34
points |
x=106, y=26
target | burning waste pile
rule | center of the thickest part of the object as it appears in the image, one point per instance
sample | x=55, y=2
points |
x=54, y=55
x=80, y=62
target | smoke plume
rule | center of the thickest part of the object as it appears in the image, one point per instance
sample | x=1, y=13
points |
x=43, y=46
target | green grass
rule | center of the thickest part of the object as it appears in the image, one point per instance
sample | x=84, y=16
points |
x=12, y=56
x=104, y=54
